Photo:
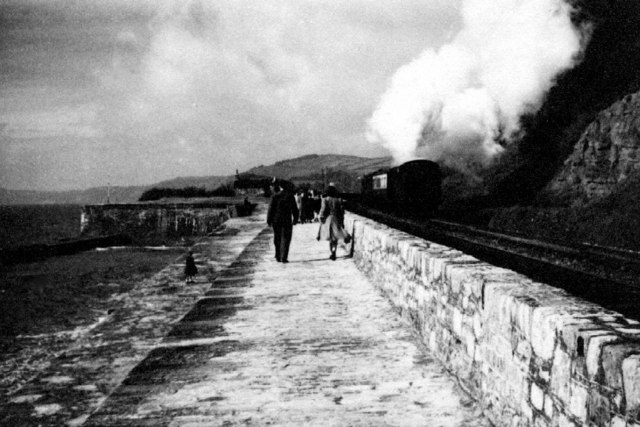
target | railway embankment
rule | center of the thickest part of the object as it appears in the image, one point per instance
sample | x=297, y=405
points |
x=531, y=354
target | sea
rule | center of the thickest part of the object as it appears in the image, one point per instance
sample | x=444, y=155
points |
x=22, y=225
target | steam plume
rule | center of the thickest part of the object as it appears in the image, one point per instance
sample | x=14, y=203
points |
x=459, y=104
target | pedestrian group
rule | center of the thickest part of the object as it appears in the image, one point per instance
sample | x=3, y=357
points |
x=287, y=209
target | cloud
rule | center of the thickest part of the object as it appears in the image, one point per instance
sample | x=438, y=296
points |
x=78, y=121
x=240, y=83
x=461, y=102
x=296, y=65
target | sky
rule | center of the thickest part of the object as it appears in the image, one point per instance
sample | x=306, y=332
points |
x=123, y=92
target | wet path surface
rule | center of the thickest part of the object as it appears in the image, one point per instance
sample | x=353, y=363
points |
x=256, y=342
x=72, y=384
x=305, y=343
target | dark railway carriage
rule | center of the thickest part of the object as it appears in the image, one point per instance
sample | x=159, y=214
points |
x=411, y=189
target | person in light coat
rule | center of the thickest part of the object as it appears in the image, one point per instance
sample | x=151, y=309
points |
x=332, y=221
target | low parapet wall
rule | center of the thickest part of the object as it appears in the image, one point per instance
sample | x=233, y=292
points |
x=154, y=220
x=531, y=354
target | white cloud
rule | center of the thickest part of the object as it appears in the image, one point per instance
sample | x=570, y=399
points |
x=299, y=65
x=455, y=103
x=77, y=121
x=241, y=82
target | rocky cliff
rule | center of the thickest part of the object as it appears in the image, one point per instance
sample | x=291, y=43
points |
x=607, y=154
x=595, y=196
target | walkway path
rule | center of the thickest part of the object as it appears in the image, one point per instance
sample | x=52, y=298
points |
x=255, y=342
x=305, y=343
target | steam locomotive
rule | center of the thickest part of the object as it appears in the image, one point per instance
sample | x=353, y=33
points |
x=412, y=189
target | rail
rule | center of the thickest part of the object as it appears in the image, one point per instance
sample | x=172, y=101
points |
x=605, y=276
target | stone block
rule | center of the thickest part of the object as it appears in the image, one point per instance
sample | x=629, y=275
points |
x=420, y=295
x=540, y=422
x=578, y=401
x=477, y=325
x=629, y=332
x=516, y=421
x=631, y=381
x=599, y=408
x=618, y=421
x=456, y=275
x=517, y=387
x=537, y=397
x=476, y=285
x=524, y=317
x=612, y=357
x=494, y=291
x=457, y=321
x=594, y=350
x=432, y=340
x=543, y=331
x=564, y=421
x=470, y=343
x=523, y=350
x=527, y=412
x=548, y=406
x=437, y=267
x=561, y=375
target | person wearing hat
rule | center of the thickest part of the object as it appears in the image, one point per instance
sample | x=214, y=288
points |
x=332, y=221
x=282, y=216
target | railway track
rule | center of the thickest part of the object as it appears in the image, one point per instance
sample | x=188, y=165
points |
x=609, y=277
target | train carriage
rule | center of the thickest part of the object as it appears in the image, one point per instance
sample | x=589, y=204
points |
x=411, y=189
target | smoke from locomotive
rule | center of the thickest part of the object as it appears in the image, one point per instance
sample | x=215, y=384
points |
x=412, y=189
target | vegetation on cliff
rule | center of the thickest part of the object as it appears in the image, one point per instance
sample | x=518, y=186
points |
x=185, y=193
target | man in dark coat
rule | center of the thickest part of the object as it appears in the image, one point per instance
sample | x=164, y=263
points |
x=282, y=216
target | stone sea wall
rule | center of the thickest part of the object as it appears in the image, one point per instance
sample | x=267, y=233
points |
x=531, y=354
x=154, y=220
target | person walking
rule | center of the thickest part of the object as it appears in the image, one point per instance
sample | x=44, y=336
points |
x=190, y=269
x=332, y=221
x=282, y=216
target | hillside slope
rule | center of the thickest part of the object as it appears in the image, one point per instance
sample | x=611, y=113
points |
x=312, y=165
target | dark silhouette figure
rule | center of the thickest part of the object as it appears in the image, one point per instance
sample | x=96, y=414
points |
x=190, y=269
x=307, y=207
x=282, y=216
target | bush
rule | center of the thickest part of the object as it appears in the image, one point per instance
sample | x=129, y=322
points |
x=186, y=193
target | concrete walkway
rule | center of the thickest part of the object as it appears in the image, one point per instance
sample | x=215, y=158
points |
x=309, y=343
x=253, y=342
